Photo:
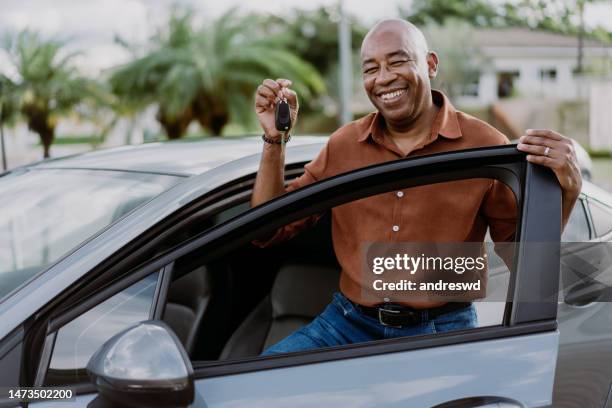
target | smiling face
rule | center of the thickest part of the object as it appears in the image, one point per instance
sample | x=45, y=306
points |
x=397, y=69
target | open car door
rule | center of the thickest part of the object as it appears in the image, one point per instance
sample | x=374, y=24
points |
x=511, y=364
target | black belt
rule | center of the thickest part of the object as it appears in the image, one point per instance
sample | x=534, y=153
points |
x=394, y=315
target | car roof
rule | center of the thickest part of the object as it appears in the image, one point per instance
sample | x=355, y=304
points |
x=180, y=158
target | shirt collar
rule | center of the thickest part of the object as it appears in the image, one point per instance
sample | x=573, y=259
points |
x=445, y=122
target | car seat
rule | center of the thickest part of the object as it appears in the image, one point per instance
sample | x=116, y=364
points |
x=299, y=293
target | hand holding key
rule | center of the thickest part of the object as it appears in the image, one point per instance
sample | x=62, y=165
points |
x=267, y=97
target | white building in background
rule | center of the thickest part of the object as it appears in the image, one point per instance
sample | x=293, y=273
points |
x=524, y=62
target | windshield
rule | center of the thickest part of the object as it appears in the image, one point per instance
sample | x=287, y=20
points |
x=46, y=213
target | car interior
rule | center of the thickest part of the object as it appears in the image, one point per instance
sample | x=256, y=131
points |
x=253, y=297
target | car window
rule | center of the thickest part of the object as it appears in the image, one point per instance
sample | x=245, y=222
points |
x=79, y=339
x=46, y=213
x=577, y=227
x=602, y=217
x=263, y=293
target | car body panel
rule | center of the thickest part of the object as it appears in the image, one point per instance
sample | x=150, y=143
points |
x=584, y=370
x=420, y=378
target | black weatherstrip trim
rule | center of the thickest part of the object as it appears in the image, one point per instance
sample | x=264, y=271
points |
x=402, y=344
x=161, y=292
x=45, y=359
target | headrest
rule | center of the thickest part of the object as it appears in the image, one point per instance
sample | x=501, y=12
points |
x=189, y=289
x=303, y=289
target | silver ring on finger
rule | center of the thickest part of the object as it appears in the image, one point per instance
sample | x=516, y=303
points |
x=546, y=151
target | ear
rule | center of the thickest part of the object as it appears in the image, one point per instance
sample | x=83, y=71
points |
x=432, y=64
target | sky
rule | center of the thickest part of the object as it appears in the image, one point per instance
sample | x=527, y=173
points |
x=90, y=25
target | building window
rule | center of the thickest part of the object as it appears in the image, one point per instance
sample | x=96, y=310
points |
x=548, y=74
x=505, y=83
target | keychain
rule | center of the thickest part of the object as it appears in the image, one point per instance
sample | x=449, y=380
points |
x=282, y=118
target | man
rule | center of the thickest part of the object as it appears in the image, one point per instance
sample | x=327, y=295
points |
x=411, y=120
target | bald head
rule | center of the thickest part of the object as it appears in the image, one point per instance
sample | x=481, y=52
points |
x=397, y=68
x=397, y=27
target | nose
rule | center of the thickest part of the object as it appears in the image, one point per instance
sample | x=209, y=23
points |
x=385, y=76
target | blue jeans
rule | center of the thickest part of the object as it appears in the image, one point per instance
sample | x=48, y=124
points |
x=341, y=323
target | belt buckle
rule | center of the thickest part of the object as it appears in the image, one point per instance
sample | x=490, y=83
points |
x=381, y=316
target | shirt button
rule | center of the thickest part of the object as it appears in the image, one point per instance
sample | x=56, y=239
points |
x=395, y=228
x=400, y=194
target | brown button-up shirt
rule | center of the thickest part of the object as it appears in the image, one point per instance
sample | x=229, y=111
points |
x=458, y=211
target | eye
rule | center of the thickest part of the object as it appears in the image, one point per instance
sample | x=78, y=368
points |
x=397, y=63
x=370, y=70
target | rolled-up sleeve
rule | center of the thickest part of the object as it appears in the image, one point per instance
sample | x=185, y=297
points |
x=314, y=171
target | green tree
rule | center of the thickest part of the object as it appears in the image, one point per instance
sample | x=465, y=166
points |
x=479, y=13
x=9, y=104
x=314, y=38
x=559, y=16
x=47, y=85
x=210, y=74
x=314, y=35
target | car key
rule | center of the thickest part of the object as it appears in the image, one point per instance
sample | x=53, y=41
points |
x=282, y=119
x=283, y=116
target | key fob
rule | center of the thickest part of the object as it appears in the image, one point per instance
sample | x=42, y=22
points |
x=283, y=116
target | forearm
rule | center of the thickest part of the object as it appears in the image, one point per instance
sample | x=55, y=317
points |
x=270, y=180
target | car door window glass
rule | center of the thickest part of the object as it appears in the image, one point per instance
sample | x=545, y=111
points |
x=79, y=339
x=577, y=227
x=602, y=217
x=263, y=294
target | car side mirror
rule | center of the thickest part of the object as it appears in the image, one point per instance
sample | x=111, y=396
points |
x=142, y=366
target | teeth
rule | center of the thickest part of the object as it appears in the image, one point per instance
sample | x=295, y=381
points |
x=391, y=95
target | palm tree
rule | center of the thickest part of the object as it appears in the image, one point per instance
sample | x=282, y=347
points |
x=210, y=74
x=47, y=84
x=8, y=111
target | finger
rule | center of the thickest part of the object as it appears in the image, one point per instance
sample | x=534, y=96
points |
x=544, y=161
x=266, y=93
x=539, y=150
x=562, y=147
x=284, y=83
x=291, y=97
x=272, y=85
x=262, y=102
x=545, y=133
x=538, y=140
